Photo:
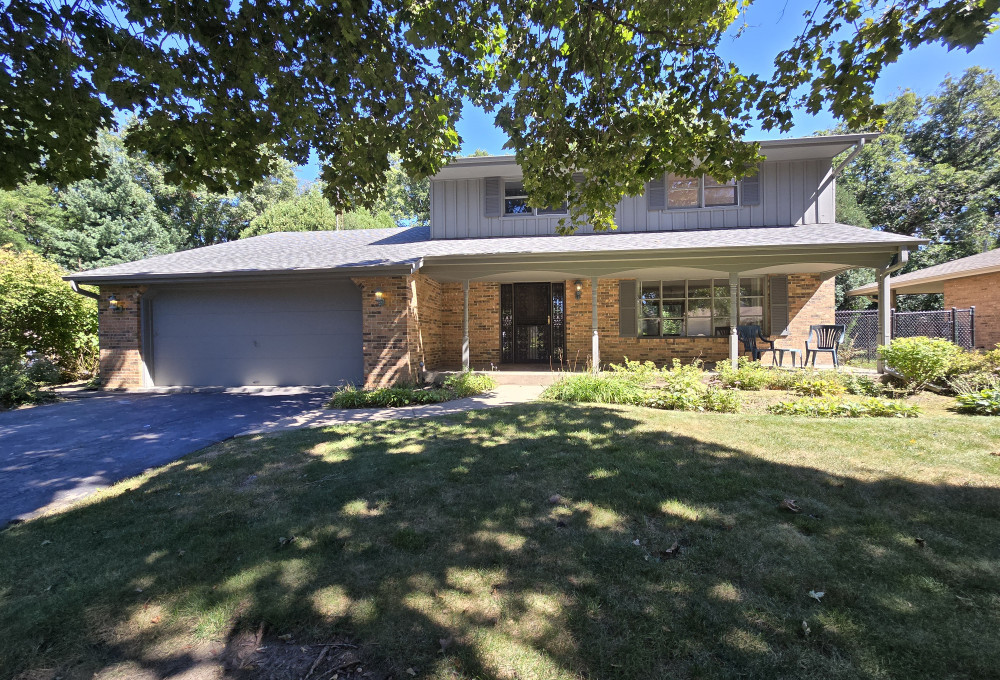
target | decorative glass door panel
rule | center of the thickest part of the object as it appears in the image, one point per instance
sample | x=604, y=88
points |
x=532, y=322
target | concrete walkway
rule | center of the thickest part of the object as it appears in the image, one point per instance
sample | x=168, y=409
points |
x=53, y=455
x=504, y=395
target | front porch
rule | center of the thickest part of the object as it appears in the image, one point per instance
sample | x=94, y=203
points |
x=417, y=327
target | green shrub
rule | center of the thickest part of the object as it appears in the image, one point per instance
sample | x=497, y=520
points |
x=680, y=387
x=41, y=315
x=818, y=387
x=722, y=401
x=19, y=383
x=753, y=376
x=838, y=407
x=919, y=360
x=604, y=388
x=467, y=383
x=863, y=385
x=387, y=397
x=984, y=402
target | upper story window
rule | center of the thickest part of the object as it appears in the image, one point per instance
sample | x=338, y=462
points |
x=700, y=192
x=515, y=202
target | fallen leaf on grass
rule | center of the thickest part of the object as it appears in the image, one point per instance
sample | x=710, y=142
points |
x=920, y=542
x=671, y=552
x=286, y=637
x=818, y=596
x=445, y=643
x=282, y=542
x=555, y=499
x=410, y=671
x=46, y=542
x=805, y=628
x=789, y=505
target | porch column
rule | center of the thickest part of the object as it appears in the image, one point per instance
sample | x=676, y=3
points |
x=884, y=314
x=595, y=349
x=465, y=325
x=734, y=309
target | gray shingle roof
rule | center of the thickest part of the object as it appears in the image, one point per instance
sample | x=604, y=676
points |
x=966, y=266
x=371, y=250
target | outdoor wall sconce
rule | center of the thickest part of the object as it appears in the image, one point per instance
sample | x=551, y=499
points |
x=578, y=284
x=379, y=297
x=114, y=304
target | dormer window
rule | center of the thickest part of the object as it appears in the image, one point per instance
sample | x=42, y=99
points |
x=515, y=202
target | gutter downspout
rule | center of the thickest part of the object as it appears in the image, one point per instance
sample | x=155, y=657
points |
x=83, y=291
x=885, y=300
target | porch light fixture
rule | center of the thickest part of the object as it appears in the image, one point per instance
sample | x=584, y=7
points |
x=114, y=304
x=379, y=297
x=578, y=284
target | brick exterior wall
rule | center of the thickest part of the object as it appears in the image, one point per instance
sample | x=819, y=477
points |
x=811, y=300
x=419, y=326
x=120, y=334
x=978, y=292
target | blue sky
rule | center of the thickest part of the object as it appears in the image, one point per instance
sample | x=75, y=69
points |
x=771, y=27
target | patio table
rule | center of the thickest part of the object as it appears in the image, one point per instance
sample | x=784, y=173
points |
x=778, y=356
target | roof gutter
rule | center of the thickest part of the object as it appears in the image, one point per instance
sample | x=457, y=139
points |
x=83, y=291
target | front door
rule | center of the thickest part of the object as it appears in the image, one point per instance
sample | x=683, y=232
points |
x=532, y=322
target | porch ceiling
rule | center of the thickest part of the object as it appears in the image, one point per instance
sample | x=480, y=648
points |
x=827, y=260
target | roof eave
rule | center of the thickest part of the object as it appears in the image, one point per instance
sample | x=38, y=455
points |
x=394, y=269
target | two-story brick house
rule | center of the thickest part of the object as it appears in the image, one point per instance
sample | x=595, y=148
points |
x=489, y=284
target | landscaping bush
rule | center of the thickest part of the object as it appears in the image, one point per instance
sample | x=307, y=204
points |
x=680, y=387
x=465, y=384
x=919, y=360
x=838, y=407
x=818, y=387
x=20, y=383
x=468, y=384
x=40, y=315
x=753, y=376
x=604, y=388
x=863, y=385
x=983, y=403
x=387, y=397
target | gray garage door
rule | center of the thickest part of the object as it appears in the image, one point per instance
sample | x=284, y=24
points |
x=278, y=335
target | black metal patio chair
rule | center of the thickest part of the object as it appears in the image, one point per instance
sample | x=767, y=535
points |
x=825, y=338
x=749, y=335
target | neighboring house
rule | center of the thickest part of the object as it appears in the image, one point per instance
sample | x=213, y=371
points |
x=488, y=284
x=969, y=282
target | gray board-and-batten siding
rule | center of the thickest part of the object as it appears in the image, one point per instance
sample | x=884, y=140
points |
x=791, y=193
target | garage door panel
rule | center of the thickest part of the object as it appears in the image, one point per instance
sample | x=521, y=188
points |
x=308, y=335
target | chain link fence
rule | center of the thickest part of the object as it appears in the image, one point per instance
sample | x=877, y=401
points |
x=957, y=325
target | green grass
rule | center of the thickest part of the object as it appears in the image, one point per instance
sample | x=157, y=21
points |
x=409, y=533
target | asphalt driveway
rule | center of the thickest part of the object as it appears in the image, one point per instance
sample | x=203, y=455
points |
x=53, y=454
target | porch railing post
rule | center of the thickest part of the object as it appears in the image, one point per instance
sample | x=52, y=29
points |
x=734, y=308
x=884, y=315
x=595, y=350
x=972, y=327
x=954, y=325
x=465, y=326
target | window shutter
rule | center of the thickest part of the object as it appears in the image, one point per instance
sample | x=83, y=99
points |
x=779, y=305
x=628, y=321
x=656, y=194
x=493, y=196
x=750, y=189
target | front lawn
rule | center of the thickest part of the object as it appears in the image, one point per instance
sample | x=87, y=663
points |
x=543, y=541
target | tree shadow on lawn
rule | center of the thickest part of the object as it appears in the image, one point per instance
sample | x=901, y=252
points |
x=404, y=535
